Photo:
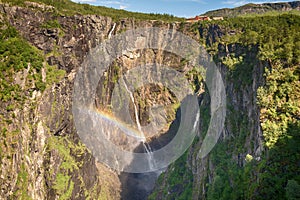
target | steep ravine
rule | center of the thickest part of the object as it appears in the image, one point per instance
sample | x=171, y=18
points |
x=243, y=165
x=45, y=159
x=42, y=156
x=242, y=133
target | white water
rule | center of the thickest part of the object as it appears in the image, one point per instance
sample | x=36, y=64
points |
x=145, y=144
x=135, y=110
x=150, y=155
x=111, y=31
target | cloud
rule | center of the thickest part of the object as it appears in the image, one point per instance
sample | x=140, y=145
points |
x=122, y=7
x=110, y=2
x=85, y=1
x=235, y=3
x=102, y=2
x=121, y=4
x=195, y=1
x=243, y=2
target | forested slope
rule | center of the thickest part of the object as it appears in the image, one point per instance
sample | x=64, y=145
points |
x=258, y=154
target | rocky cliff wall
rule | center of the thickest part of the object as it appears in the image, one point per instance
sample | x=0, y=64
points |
x=45, y=158
x=242, y=135
x=42, y=156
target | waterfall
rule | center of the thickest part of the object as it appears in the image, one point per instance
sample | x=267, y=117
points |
x=111, y=31
x=148, y=149
x=135, y=110
x=145, y=144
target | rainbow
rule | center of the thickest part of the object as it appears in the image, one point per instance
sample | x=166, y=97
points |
x=126, y=128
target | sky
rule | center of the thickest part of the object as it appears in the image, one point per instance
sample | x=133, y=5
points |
x=181, y=8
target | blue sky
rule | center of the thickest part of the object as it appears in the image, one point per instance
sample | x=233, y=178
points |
x=182, y=8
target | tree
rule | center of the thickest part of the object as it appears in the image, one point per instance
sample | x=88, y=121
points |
x=292, y=190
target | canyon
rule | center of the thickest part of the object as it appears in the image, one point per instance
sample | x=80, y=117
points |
x=44, y=157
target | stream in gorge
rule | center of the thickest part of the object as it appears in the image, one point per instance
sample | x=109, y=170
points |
x=138, y=186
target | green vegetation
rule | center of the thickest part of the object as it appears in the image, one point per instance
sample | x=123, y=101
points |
x=279, y=101
x=179, y=179
x=67, y=7
x=63, y=147
x=104, y=90
x=277, y=37
x=255, y=10
x=265, y=38
x=195, y=78
x=249, y=41
x=292, y=190
x=280, y=165
x=71, y=161
x=231, y=180
x=271, y=13
x=17, y=55
x=21, y=72
x=271, y=41
x=51, y=24
x=64, y=186
x=53, y=75
x=22, y=183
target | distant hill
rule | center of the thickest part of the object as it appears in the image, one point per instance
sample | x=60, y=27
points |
x=255, y=8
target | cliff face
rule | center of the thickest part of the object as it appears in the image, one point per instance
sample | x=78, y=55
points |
x=57, y=162
x=45, y=159
x=242, y=134
x=243, y=162
x=42, y=156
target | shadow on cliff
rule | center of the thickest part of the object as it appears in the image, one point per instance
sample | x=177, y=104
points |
x=138, y=186
x=282, y=164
